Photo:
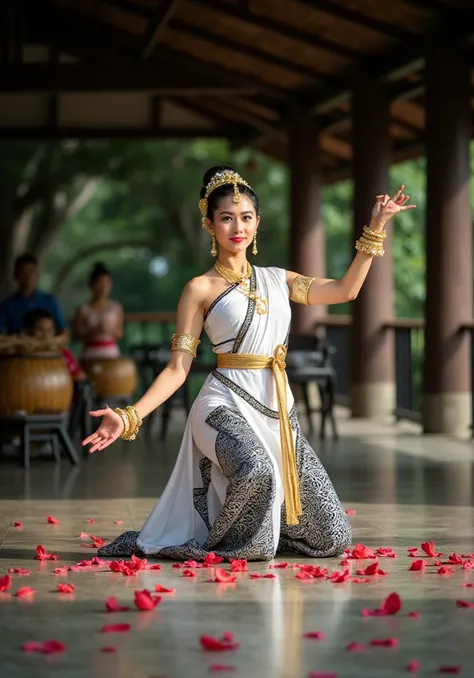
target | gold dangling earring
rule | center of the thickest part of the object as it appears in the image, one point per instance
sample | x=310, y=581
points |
x=254, y=248
x=213, y=245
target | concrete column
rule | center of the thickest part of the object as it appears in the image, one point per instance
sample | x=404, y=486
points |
x=373, y=347
x=307, y=243
x=446, y=380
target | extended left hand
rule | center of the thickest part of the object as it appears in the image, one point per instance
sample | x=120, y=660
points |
x=385, y=206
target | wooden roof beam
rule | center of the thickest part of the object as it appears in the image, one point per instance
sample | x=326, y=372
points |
x=39, y=77
x=158, y=21
x=280, y=27
x=338, y=11
x=57, y=132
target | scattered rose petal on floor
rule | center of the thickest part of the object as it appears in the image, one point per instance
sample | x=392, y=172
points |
x=191, y=563
x=32, y=646
x=145, y=601
x=84, y=535
x=212, y=559
x=445, y=570
x=356, y=647
x=118, y=522
x=178, y=566
x=66, y=588
x=18, y=570
x=189, y=573
x=372, y=570
x=109, y=649
x=469, y=565
x=417, y=566
x=351, y=512
x=412, y=549
x=314, y=635
x=429, y=548
x=52, y=521
x=360, y=580
x=391, y=605
x=278, y=566
x=25, y=592
x=413, y=666
x=345, y=563
x=222, y=576
x=112, y=605
x=464, y=603
x=5, y=582
x=138, y=563
x=60, y=570
x=161, y=589
x=340, y=577
x=262, y=576
x=414, y=614
x=98, y=541
x=361, y=552
x=18, y=524
x=53, y=647
x=91, y=520
x=116, y=628
x=384, y=642
x=449, y=669
x=212, y=644
x=74, y=568
x=217, y=668
x=157, y=566
x=238, y=565
x=468, y=586
x=42, y=554
x=454, y=559
x=322, y=674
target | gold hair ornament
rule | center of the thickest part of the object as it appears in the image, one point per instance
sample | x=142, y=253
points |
x=222, y=178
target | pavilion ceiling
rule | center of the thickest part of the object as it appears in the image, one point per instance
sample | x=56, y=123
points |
x=157, y=68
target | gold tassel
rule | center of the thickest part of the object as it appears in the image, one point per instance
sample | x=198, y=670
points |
x=254, y=248
x=213, y=245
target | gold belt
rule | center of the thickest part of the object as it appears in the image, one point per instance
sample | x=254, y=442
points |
x=239, y=361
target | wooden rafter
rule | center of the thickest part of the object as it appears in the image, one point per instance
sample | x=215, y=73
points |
x=339, y=11
x=161, y=16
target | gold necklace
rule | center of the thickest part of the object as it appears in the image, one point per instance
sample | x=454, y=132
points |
x=243, y=280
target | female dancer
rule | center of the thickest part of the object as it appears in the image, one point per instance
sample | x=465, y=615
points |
x=246, y=483
x=100, y=322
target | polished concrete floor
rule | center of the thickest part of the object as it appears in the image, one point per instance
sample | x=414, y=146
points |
x=404, y=489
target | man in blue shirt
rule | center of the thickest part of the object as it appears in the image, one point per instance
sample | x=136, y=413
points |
x=14, y=308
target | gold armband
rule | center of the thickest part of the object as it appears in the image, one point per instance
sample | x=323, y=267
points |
x=184, y=342
x=300, y=290
x=131, y=422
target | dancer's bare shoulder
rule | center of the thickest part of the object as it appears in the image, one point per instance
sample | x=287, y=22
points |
x=203, y=289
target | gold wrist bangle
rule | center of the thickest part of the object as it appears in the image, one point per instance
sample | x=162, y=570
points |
x=131, y=422
x=125, y=421
x=380, y=235
x=184, y=342
x=373, y=249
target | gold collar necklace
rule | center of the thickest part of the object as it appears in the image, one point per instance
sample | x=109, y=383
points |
x=243, y=281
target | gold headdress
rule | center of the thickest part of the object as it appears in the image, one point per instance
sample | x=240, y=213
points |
x=222, y=179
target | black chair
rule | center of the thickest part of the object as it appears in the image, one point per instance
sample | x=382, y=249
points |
x=80, y=422
x=309, y=361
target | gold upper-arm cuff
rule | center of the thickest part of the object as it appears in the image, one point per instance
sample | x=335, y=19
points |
x=300, y=289
x=184, y=342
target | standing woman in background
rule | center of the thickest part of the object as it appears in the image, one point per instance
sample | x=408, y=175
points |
x=99, y=324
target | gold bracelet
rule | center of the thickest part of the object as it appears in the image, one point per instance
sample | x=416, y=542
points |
x=374, y=249
x=184, y=342
x=131, y=422
x=379, y=235
x=300, y=289
x=126, y=423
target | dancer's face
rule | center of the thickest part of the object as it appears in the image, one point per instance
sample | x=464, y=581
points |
x=234, y=224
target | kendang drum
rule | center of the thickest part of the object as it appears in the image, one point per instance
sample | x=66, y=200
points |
x=34, y=378
x=112, y=377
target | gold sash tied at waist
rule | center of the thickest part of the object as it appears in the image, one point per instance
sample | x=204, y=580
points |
x=239, y=361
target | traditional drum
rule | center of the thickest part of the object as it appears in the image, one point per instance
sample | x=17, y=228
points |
x=112, y=377
x=34, y=378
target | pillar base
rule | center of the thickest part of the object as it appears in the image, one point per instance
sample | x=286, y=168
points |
x=373, y=400
x=448, y=413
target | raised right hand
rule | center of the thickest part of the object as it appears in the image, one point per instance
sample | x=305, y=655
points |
x=109, y=430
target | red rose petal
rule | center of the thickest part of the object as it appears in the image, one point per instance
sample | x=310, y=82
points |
x=356, y=647
x=145, y=601
x=449, y=669
x=53, y=647
x=42, y=554
x=412, y=549
x=18, y=570
x=351, y=512
x=360, y=552
x=162, y=589
x=413, y=666
x=112, y=605
x=215, y=668
x=177, y=566
x=25, y=592
x=417, y=566
x=17, y=524
x=278, y=566
x=5, y=582
x=52, y=521
x=445, y=570
x=211, y=559
x=118, y=522
x=60, y=570
x=32, y=646
x=464, y=603
x=91, y=520
x=454, y=559
x=109, y=649
x=222, y=576
x=391, y=605
x=83, y=535
x=339, y=577
x=238, y=565
x=66, y=588
x=138, y=564
x=315, y=635
x=189, y=573
x=212, y=644
x=116, y=628
x=469, y=586
x=414, y=614
x=384, y=642
x=191, y=563
x=154, y=567
x=322, y=674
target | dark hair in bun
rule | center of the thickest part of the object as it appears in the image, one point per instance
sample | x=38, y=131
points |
x=99, y=269
x=224, y=191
